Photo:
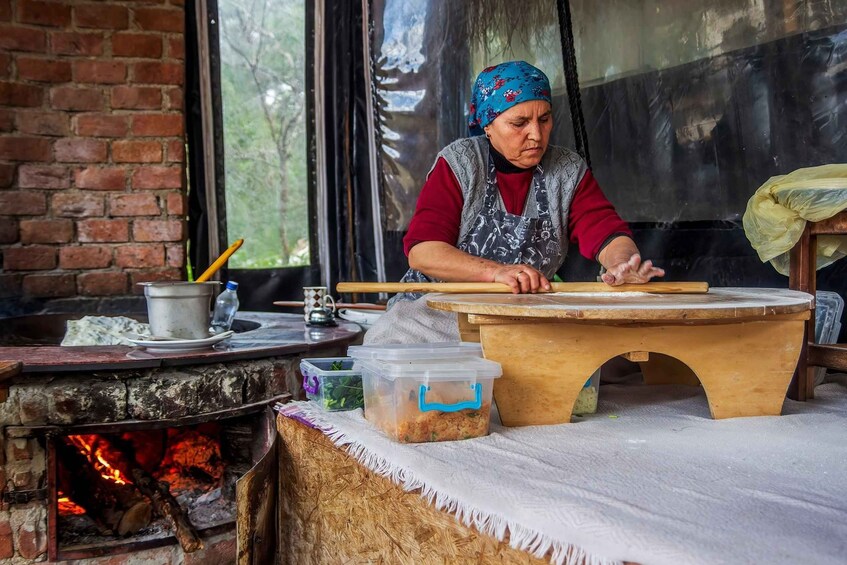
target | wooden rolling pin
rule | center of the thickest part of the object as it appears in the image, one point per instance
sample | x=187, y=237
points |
x=483, y=287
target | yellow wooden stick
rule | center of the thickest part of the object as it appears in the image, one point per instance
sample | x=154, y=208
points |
x=213, y=268
x=483, y=287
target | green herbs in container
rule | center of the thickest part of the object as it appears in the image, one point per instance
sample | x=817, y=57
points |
x=332, y=383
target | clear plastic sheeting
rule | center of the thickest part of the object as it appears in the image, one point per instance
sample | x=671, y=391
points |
x=426, y=54
x=777, y=214
x=690, y=104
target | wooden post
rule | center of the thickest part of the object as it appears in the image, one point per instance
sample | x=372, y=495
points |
x=802, y=277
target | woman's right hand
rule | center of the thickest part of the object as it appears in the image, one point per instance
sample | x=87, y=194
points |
x=521, y=278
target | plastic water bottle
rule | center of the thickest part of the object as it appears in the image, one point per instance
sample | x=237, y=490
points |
x=226, y=305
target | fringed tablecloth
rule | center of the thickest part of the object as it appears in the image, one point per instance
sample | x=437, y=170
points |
x=650, y=478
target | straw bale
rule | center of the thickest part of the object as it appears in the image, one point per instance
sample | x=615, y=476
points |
x=334, y=510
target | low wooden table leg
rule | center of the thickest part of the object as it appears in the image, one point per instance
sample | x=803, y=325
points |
x=545, y=366
x=744, y=367
x=664, y=370
x=467, y=331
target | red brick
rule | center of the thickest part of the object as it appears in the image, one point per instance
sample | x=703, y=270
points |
x=160, y=19
x=143, y=204
x=43, y=176
x=19, y=450
x=100, y=178
x=153, y=177
x=140, y=256
x=49, y=286
x=44, y=70
x=177, y=2
x=157, y=230
x=133, y=151
x=5, y=14
x=13, y=148
x=54, y=14
x=102, y=125
x=6, y=549
x=167, y=274
x=46, y=231
x=5, y=63
x=10, y=285
x=176, y=100
x=25, y=95
x=32, y=258
x=81, y=150
x=23, y=203
x=85, y=257
x=176, y=47
x=219, y=553
x=8, y=230
x=100, y=72
x=176, y=151
x=101, y=16
x=7, y=174
x=102, y=284
x=136, y=98
x=175, y=255
x=75, y=205
x=16, y=38
x=98, y=230
x=43, y=123
x=159, y=73
x=157, y=125
x=76, y=99
x=146, y=45
x=176, y=204
x=71, y=43
x=7, y=120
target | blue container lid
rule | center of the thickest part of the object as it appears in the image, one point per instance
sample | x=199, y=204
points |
x=231, y=285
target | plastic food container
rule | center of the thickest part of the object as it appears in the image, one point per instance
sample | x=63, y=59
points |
x=333, y=383
x=586, y=402
x=427, y=392
x=829, y=306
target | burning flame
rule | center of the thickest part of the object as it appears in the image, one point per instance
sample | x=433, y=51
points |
x=68, y=506
x=85, y=445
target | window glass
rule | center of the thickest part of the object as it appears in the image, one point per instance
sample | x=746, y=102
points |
x=263, y=66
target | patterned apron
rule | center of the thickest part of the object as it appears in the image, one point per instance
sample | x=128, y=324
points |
x=507, y=238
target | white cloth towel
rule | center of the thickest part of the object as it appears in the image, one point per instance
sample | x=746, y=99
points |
x=650, y=478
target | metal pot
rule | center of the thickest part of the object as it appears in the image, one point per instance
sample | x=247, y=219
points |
x=179, y=309
x=322, y=317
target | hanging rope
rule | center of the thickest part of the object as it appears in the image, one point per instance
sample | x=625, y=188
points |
x=572, y=80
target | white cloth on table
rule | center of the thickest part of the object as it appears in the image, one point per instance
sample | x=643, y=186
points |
x=412, y=321
x=650, y=478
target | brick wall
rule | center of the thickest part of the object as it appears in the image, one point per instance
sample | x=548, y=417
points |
x=92, y=181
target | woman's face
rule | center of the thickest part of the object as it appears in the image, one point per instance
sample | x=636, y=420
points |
x=522, y=132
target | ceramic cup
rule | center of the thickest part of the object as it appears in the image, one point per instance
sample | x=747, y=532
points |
x=316, y=297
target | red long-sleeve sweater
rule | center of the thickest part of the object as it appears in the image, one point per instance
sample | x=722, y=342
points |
x=591, y=222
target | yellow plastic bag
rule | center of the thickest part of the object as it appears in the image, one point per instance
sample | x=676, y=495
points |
x=777, y=214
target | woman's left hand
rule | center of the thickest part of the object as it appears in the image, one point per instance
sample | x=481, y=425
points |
x=633, y=271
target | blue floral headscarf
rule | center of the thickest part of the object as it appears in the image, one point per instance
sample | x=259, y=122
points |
x=502, y=86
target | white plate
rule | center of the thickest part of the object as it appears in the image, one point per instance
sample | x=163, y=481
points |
x=180, y=344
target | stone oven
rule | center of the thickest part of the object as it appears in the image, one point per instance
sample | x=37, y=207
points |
x=122, y=456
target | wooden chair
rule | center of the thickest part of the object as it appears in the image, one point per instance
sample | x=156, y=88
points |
x=802, y=277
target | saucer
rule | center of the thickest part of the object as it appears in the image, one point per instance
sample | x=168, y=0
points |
x=180, y=344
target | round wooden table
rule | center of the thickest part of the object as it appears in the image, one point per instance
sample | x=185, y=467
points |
x=741, y=343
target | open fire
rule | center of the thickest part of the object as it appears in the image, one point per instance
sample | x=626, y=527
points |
x=132, y=483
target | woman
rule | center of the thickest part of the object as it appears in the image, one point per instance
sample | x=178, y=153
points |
x=499, y=207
